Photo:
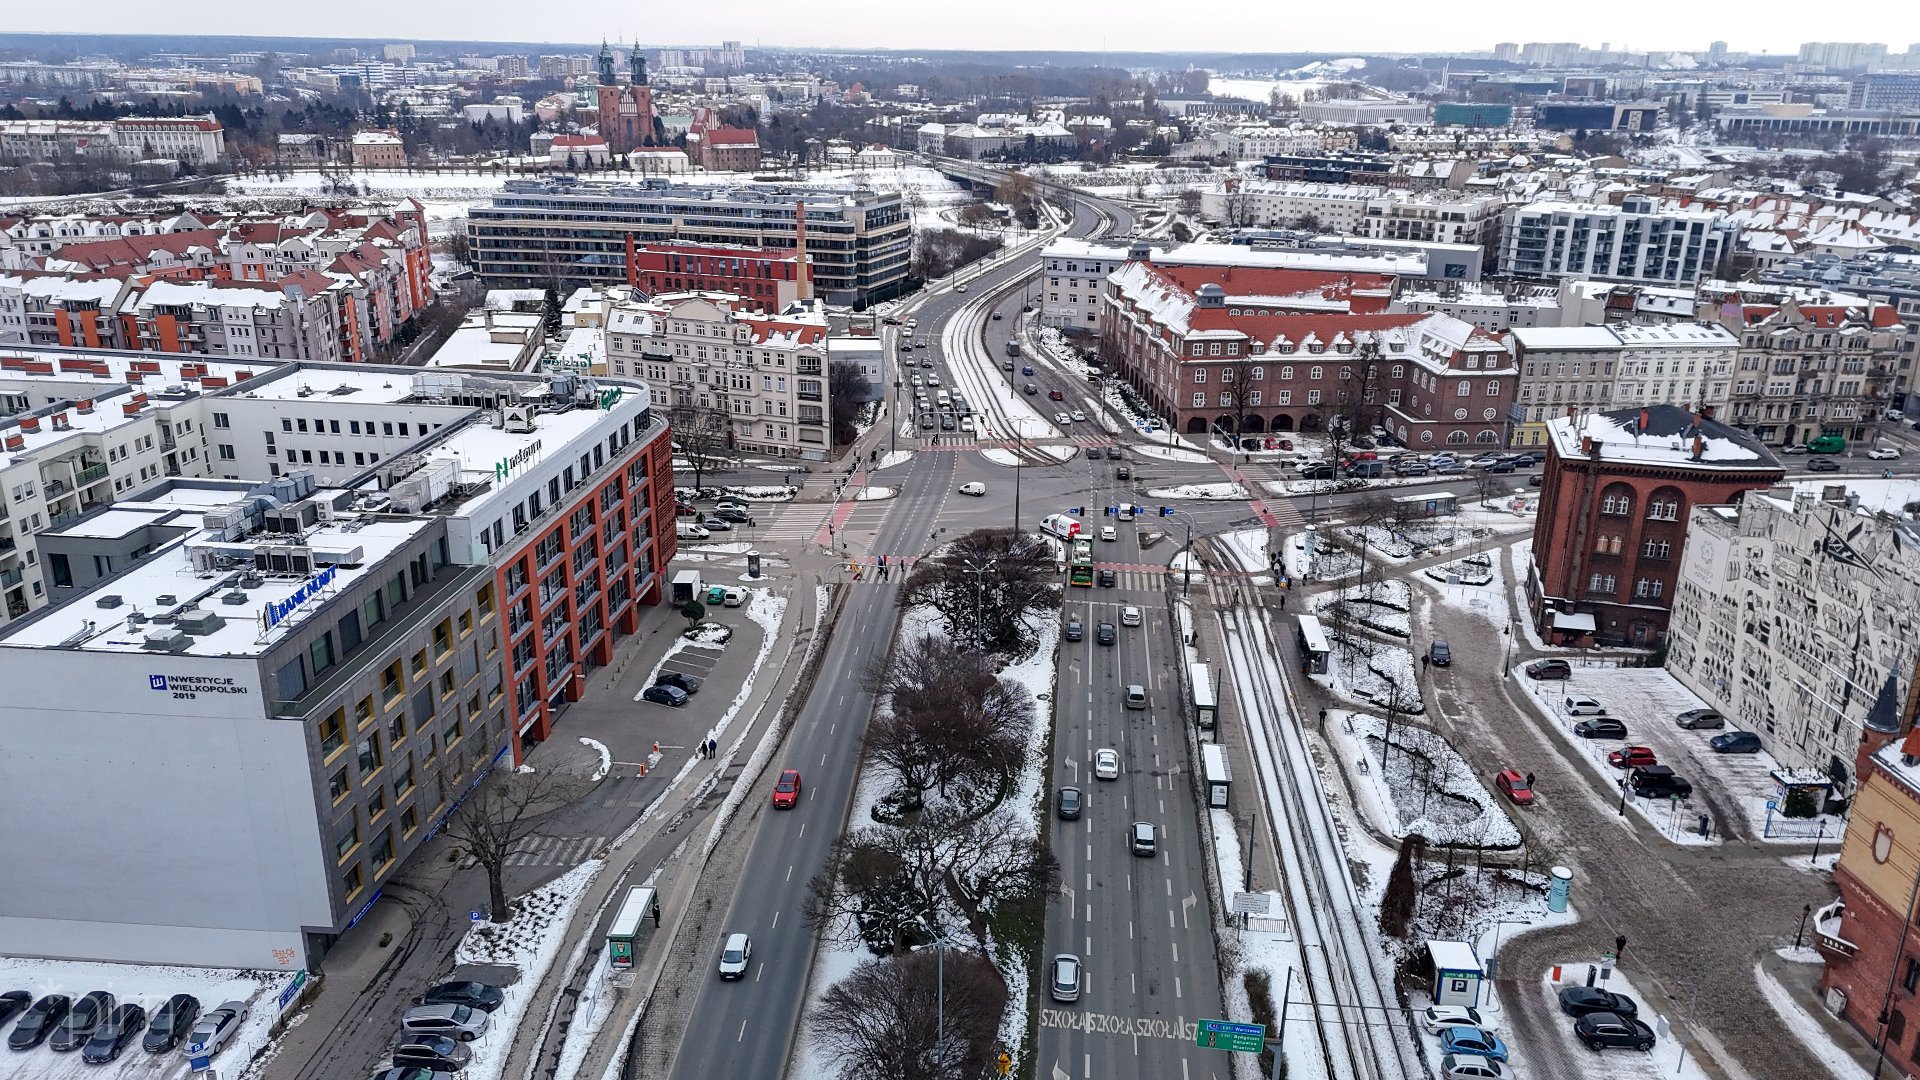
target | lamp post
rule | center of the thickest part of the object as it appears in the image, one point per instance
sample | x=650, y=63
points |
x=1805, y=912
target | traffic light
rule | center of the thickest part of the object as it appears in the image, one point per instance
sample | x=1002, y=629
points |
x=1076, y=510
x=1166, y=511
x=1113, y=511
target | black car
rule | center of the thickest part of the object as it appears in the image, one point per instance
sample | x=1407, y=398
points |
x=1123, y=473
x=1549, y=669
x=170, y=1023
x=1735, y=742
x=1316, y=472
x=39, y=1021
x=1500, y=467
x=729, y=513
x=1113, y=454
x=1600, y=1030
x=1068, y=803
x=1581, y=1000
x=664, y=695
x=85, y=1018
x=474, y=995
x=1659, y=782
x=1440, y=653
x=1535, y=479
x=1104, y=633
x=113, y=1036
x=1821, y=464
x=687, y=684
x=1108, y=579
x=13, y=1002
x=1093, y=453
x=1075, y=630
x=1600, y=727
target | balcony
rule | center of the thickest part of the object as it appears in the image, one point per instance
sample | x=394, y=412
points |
x=1826, y=931
x=57, y=488
x=90, y=475
x=10, y=578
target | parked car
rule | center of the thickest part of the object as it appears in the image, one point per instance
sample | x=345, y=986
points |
x=1658, y=782
x=1141, y=838
x=1129, y=616
x=689, y=684
x=1103, y=633
x=215, y=1029
x=1510, y=783
x=736, y=597
x=661, y=694
x=1599, y=1030
x=476, y=995
x=1581, y=1000
x=1440, y=653
x=1795, y=448
x=1068, y=803
x=1108, y=579
x=413, y=1072
x=436, y=1052
x=39, y=1021
x=735, y=953
x=1549, y=669
x=1581, y=705
x=1469, y=1067
x=462, y=1022
x=1821, y=464
x=122, y=1025
x=786, y=790
x=1694, y=719
x=1063, y=983
x=14, y=1002
x=1075, y=629
x=974, y=487
x=1438, y=1018
x=1600, y=727
x=1883, y=453
x=85, y=1018
x=1735, y=742
x=170, y=1023
x=1106, y=764
x=1632, y=757
x=1535, y=480
x=1467, y=1040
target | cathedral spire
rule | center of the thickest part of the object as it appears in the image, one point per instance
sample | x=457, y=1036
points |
x=606, y=63
x=637, y=65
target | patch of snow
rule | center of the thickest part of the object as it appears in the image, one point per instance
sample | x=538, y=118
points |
x=874, y=494
x=1248, y=547
x=998, y=456
x=893, y=457
x=1425, y=786
x=1168, y=453
x=1221, y=490
x=1362, y=669
x=1058, y=452
x=606, y=758
x=1807, y=1029
x=1187, y=565
x=528, y=942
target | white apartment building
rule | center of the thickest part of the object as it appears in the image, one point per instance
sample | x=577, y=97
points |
x=1793, y=615
x=1585, y=369
x=1255, y=142
x=1366, y=210
x=185, y=138
x=1640, y=240
x=1074, y=274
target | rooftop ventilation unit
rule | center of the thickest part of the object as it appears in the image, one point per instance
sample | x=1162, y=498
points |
x=234, y=598
x=517, y=419
x=165, y=641
x=166, y=600
x=250, y=580
x=135, y=620
x=111, y=600
x=199, y=621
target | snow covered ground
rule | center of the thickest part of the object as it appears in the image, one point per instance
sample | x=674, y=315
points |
x=893, y=457
x=874, y=494
x=1218, y=491
x=606, y=759
x=1425, y=787
x=1383, y=604
x=527, y=943
x=1667, y=1061
x=1168, y=453
x=1248, y=547
x=1372, y=672
x=1807, y=1029
x=1480, y=588
x=147, y=985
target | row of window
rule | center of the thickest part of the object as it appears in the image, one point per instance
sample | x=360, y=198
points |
x=1651, y=548
x=1643, y=589
x=1620, y=504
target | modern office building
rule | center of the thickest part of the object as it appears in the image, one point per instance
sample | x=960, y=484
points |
x=1640, y=240
x=306, y=666
x=857, y=242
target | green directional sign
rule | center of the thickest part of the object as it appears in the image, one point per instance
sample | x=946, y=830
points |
x=1225, y=1035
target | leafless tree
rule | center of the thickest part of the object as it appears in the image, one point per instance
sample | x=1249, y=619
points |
x=1188, y=201
x=1398, y=899
x=985, y=585
x=947, y=716
x=885, y=1020
x=704, y=436
x=500, y=815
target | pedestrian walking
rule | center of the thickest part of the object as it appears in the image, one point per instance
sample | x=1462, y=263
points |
x=1424, y=661
x=1529, y=781
x=713, y=748
x=1283, y=601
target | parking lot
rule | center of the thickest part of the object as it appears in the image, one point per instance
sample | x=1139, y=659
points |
x=1732, y=788
x=1566, y=1057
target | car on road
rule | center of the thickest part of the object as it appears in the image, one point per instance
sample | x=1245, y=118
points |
x=1108, y=532
x=85, y=1018
x=959, y=288
x=1581, y=1000
x=1055, y=395
x=1821, y=464
x=687, y=530
x=1579, y=705
x=1068, y=803
x=733, y=514
x=1078, y=416
x=1735, y=742
x=946, y=423
x=474, y=995
x=664, y=695
x=730, y=504
x=1114, y=454
x=913, y=380
x=1062, y=418
x=1026, y=369
x=1440, y=653
x=462, y=1022
x=14, y=1002
x=1632, y=757
x=786, y=790
x=1476, y=1041
x=1469, y=1067
x=735, y=597
x=1599, y=1030
x=1031, y=389
x=688, y=684
x=1600, y=727
x=1123, y=473
x=1063, y=980
x=714, y=524
x=1549, y=669
x=1093, y=453
x=1103, y=633
x=966, y=423
x=933, y=378
x=1106, y=764
x=1318, y=471
x=1438, y=1018
x=216, y=1029
x=1535, y=480
x=996, y=316
x=906, y=346
x=1075, y=628
x=39, y=1021
x=1883, y=453
x=1007, y=366
x=1695, y=719
x=734, y=956
x=1129, y=616
x=973, y=487
x=111, y=1037
x=1136, y=696
x=1796, y=448
x=1108, y=579
x=1510, y=783
x=1141, y=839
x=436, y=1052
x=1410, y=468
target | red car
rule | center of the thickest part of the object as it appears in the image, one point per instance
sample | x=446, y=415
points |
x=1514, y=786
x=1632, y=757
x=1055, y=395
x=787, y=792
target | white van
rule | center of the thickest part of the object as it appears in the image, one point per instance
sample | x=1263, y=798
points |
x=1064, y=526
x=687, y=530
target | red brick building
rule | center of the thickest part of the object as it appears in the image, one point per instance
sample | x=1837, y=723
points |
x=1255, y=349
x=1614, y=501
x=627, y=119
x=727, y=149
x=767, y=281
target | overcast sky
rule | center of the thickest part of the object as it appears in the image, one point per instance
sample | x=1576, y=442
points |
x=1084, y=25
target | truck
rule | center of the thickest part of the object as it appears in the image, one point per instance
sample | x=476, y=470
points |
x=1013, y=347
x=1063, y=526
x=685, y=586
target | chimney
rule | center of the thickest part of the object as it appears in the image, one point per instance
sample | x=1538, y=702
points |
x=16, y=441
x=85, y=406
x=1646, y=420
x=29, y=423
x=60, y=422
x=129, y=409
x=1699, y=444
x=800, y=248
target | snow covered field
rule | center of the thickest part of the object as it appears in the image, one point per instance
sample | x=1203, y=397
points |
x=527, y=943
x=1372, y=672
x=1425, y=787
x=1384, y=604
x=1216, y=492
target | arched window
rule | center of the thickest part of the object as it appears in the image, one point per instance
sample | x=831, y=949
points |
x=1665, y=505
x=1316, y=373
x=1487, y=437
x=1617, y=500
x=1456, y=437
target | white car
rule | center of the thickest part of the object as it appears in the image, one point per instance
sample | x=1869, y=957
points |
x=214, y=1029
x=959, y=288
x=736, y=597
x=1473, y=1067
x=973, y=488
x=734, y=956
x=933, y=378
x=1062, y=418
x=913, y=380
x=1883, y=453
x=1439, y=1018
x=1106, y=764
x=966, y=423
x=1584, y=706
x=1129, y=616
x=1079, y=417
x=687, y=530
x=1108, y=532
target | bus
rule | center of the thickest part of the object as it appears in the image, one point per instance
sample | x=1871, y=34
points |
x=1314, y=649
x=626, y=925
x=1080, y=569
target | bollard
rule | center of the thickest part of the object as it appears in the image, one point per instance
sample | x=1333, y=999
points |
x=1592, y=973
x=643, y=771
x=1556, y=973
x=656, y=746
x=1703, y=825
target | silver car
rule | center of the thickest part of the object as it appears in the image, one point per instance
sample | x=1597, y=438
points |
x=215, y=1029
x=1064, y=981
x=462, y=1022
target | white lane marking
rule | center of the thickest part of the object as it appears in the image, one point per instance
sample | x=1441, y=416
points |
x=776, y=921
x=743, y=1032
x=789, y=873
x=1176, y=986
x=1176, y=949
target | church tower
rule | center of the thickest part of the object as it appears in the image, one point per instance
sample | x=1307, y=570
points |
x=627, y=121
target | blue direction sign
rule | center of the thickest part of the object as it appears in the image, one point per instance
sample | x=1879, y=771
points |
x=1225, y=1035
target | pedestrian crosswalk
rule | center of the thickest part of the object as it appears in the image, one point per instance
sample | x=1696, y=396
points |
x=556, y=850
x=970, y=441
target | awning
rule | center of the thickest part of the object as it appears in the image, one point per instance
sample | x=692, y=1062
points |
x=1573, y=622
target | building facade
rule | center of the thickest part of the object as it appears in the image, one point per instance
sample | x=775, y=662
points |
x=764, y=281
x=379, y=150
x=1616, y=495
x=1577, y=369
x=1812, y=369
x=1636, y=241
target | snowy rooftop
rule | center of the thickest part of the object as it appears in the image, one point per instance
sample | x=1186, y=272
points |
x=116, y=522
x=1875, y=494
x=357, y=385
x=1557, y=338
x=1669, y=436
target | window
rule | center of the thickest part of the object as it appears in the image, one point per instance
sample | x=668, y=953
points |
x=1316, y=373
x=1466, y=388
x=420, y=663
x=390, y=682
x=337, y=786
x=1657, y=549
x=396, y=728
x=220, y=420
x=1493, y=389
x=1456, y=437
x=1459, y=414
x=409, y=821
x=1199, y=376
x=333, y=734
x=368, y=754
x=1664, y=509
x=376, y=802
x=1600, y=583
x=1648, y=588
x=1313, y=397
x=346, y=838
x=403, y=780
x=352, y=881
x=1286, y=371
x=381, y=853
x=1199, y=399
x=443, y=637
x=1616, y=504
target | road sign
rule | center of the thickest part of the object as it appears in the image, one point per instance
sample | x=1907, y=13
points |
x=1225, y=1035
x=1004, y=1063
x=1251, y=903
x=476, y=916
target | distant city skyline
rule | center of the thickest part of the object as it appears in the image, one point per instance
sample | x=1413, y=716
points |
x=1091, y=26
